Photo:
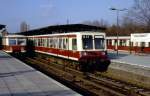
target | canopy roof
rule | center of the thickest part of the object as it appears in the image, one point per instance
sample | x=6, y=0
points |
x=2, y=26
x=62, y=29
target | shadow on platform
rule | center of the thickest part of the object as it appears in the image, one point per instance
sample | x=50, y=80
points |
x=5, y=57
x=15, y=73
x=44, y=93
x=115, y=56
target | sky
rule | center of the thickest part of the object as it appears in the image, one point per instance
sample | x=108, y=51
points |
x=42, y=13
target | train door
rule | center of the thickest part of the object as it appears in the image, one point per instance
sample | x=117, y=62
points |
x=142, y=46
x=116, y=45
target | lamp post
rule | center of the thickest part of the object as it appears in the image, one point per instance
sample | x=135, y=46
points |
x=117, y=12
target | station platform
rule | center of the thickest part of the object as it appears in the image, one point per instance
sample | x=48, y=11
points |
x=138, y=59
x=133, y=68
x=19, y=79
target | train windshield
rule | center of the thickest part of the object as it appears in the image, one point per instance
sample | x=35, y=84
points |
x=87, y=41
x=12, y=42
x=99, y=42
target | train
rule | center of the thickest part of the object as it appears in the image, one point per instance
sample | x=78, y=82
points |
x=14, y=43
x=88, y=48
x=135, y=43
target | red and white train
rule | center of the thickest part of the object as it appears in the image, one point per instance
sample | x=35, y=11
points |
x=137, y=42
x=14, y=43
x=71, y=45
x=86, y=47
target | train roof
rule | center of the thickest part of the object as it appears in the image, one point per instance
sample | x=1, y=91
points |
x=62, y=29
x=13, y=35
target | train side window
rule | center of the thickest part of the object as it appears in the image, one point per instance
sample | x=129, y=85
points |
x=47, y=42
x=148, y=44
x=67, y=43
x=56, y=42
x=39, y=42
x=51, y=43
x=64, y=43
x=36, y=42
x=21, y=42
x=60, y=43
x=124, y=42
x=120, y=43
x=43, y=43
x=74, y=44
x=142, y=44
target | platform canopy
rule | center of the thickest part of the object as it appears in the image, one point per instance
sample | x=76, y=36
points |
x=62, y=29
x=2, y=26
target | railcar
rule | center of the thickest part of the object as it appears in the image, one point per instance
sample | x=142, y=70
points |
x=137, y=42
x=88, y=48
x=14, y=43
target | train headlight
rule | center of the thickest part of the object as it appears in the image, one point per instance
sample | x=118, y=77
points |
x=84, y=53
x=103, y=53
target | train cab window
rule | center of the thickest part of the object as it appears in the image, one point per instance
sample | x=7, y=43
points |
x=87, y=41
x=99, y=42
x=74, y=44
x=12, y=42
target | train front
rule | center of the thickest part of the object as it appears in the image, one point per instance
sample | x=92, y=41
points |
x=93, y=56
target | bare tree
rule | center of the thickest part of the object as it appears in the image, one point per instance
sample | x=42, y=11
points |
x=140, y=13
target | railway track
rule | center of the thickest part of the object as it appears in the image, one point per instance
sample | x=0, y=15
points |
x=93, y=83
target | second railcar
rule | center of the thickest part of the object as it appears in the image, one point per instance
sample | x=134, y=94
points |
x=14, y=43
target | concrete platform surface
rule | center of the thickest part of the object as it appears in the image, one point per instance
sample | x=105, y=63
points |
x=134, y=63
x=138, y=59
x=19, y=79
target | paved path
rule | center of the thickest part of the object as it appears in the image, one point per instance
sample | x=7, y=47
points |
x=18, y=79
x=142, y=60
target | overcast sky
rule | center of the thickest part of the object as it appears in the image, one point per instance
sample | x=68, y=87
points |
x=40, y=13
